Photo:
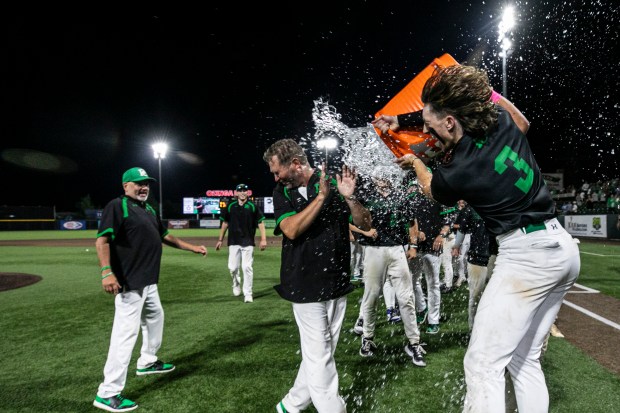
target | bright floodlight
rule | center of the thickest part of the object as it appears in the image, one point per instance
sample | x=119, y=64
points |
x=506, y=44
x=327, y=143
x=160, y=149
x=507, y=23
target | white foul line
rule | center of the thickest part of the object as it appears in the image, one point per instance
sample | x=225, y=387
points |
x=587, y=312
x=593, y=315
x=583, y=287
x=600, y=255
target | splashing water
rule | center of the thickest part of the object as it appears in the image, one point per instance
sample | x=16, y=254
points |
x=361, y=147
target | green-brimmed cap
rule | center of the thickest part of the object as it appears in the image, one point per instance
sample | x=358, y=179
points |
x=136, y=175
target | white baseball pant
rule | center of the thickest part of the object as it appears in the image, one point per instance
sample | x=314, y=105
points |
x=242, y=258
x=531, y=276
x=379, y=263
x=133, y=309
x=317, y=379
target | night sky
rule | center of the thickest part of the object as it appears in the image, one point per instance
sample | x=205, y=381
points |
x=85, y=95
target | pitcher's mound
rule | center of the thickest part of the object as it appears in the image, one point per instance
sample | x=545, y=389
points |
x=11, y=280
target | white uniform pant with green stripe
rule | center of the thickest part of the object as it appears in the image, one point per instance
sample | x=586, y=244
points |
x=133, y=309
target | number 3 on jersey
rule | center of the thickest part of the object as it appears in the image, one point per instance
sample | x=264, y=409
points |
x=524, y=184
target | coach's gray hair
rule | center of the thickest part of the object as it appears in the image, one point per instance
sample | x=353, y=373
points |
x=285, y=150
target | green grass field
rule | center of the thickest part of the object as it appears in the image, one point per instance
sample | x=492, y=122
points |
x=236, y=357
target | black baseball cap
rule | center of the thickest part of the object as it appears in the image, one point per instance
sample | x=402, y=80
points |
x=242, y=187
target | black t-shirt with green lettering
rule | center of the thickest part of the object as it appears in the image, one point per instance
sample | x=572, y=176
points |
x=498, y=176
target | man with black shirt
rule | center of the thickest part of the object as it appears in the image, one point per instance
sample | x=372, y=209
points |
x=490, y=165
x=129, y=248
x=240, y=218
x=433, y=229
x=461, y=258
x=312, y=212
x=385, y=258
x=482, y=248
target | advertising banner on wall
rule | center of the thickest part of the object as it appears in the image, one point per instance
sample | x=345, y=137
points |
x=72, y=225
x=209, y=223
x=178, y=223
x=586, y=225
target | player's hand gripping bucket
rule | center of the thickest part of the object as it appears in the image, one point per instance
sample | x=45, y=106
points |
x=409, y=99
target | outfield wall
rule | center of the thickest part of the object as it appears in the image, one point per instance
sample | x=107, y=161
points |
x=595, y=226
x=84, y=224
x=603, y=226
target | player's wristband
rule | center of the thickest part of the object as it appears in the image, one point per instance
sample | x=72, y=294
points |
x=107, y=267
x=415, y=246
x=495, y=97
x=106, y=275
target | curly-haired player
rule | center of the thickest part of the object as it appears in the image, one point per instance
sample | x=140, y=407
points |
x=489, y=164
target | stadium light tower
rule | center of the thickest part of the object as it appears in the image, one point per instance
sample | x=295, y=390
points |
x=327, y=142
x=159, y=150
x=507, y=23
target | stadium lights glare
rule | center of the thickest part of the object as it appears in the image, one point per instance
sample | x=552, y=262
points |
x=327, y=143
x=159, y=150
x=505, y=25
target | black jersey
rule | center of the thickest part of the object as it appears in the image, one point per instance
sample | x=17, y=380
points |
x=471, y=223
x=498, y=177
x=430, y=222
x=135, y=232
x=449, y=214
x=315, y=266
x=391, y=217
x=242, y=222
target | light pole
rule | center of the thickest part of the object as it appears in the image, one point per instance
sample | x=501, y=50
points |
x=159, y=150
x=507, y=23
x=326, y=142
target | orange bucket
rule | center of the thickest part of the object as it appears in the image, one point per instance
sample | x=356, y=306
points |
x=409, y=99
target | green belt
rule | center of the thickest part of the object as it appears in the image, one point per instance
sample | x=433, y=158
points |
x=534, y=227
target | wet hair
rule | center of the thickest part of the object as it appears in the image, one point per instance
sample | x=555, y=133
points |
x=463, y=92
x=285, y=150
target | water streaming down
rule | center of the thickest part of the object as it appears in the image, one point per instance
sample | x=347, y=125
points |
x=361, y=148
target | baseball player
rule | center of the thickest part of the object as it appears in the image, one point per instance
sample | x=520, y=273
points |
x=385, y=257
x=482, y=250
x=461, y=258
x=312, y=213
x=433, y=230
x=129, y=248
x=240, y=219
x=489, y=164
